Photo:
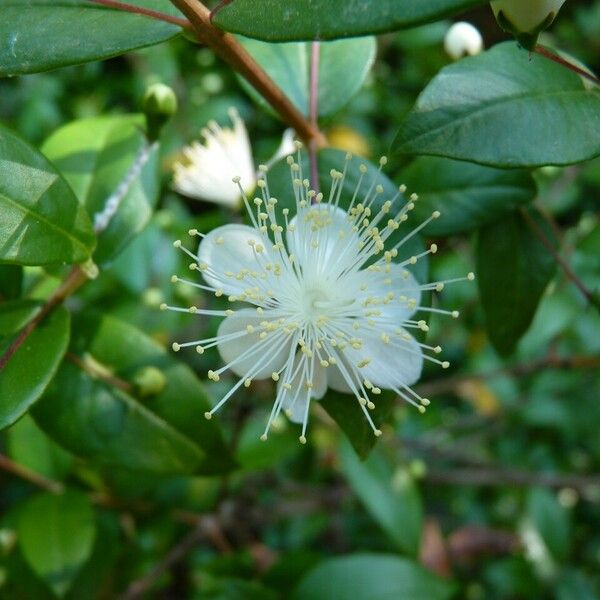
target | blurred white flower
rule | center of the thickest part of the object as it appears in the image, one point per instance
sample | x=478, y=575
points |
x=326, y=303
x=208, y=168
x=462, y=39
x=526, y=18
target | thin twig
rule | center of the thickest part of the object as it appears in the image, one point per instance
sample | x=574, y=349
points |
x=97, y=373
x=207, y=527
x=537, y=231
x=542, y=51
x=6, y=464
x=314, y=112
x=232, y=52
x=73, y=281
x=146, y=12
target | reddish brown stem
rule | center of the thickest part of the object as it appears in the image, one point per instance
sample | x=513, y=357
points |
x=146, y=12
x=6, y=464
x=73, y=281
x=314, y=112
x=232, y=52
x=542, y=51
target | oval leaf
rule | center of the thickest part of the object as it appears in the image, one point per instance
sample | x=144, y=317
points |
x=42, y=221
x=372, y=577
x=513, y=268
x=39, y=35
x=94, y=156
x=343, y=66
x=56, y=534
x=467, y=195
x=535, y=111
x=33, y=365
x=391, y=498
x=330, y=19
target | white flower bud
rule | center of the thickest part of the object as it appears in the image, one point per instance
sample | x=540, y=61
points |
x=525, y=19
x=462, y=39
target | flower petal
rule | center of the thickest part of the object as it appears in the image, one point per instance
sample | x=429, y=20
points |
x=269, y=355
x=227, y=252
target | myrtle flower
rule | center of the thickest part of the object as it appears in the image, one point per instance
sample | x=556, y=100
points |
x=208, y=168
x=462, y=39
x=324, y=299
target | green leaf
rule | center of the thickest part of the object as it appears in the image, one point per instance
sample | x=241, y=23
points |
x=513, y=268
x=42, y=221
x=392, y=498
x=329, y=19
x=32, y=367
x=347, y=413
x=94, y=156
x=467, y=195
x=551, y=521
x=343, y=66
x=11, y=282
x=15, y=314
x=165, y=434
x=371, y=577
x=29, y=446
x=56, y=534
x=44, y=34
x=503, y=108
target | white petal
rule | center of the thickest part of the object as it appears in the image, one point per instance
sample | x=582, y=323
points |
x=271, y=355
x=336, y=380
x=226, y=249
x=398, y=281
x=328, y=226
x=285, y=148
x=391, y=365
x=295, y=399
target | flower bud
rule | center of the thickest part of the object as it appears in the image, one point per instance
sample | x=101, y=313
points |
x=159, y=105
x=462, y=39
x=525, y=19
x=149, y=381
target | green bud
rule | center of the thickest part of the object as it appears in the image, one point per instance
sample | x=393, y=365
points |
x=525, y=19
x=159, y=105
x=149, y=381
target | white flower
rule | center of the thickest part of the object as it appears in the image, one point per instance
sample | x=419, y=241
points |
x=527, y=17
x=463, y=39
x=209, y=168
x=325, y=303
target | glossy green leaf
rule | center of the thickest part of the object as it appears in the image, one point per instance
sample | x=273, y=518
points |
x=40, y=35
x=371, y=577
x=276, y=21
x=504, y=108
x=347, y=413
x=15, y=314
x=467, y=195
x=56, y=535
x=513, y=269
x=32, y=367
x=94, y=156
x=343, y=66
x=42, y=221
x=164, y=433
x=391, y=497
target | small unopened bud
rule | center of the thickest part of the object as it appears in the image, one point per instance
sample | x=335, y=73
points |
x=149, y=381
x=526, y=19
x=462, y=39
x=159, y=105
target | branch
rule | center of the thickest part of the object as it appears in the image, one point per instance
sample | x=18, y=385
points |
x=537, y=231
x=542, y=51
x=6, y=464
x=232, y=52
x=314, y=112
x=146, y=12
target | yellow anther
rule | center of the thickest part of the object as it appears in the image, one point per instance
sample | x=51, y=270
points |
x=176, y=347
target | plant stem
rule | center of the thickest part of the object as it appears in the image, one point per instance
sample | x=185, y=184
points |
x=542, y=51
x=146, y=12
x=232, y=52
x=74, y=280
x=314, y=112
x=6, y=464
x=537, y=231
